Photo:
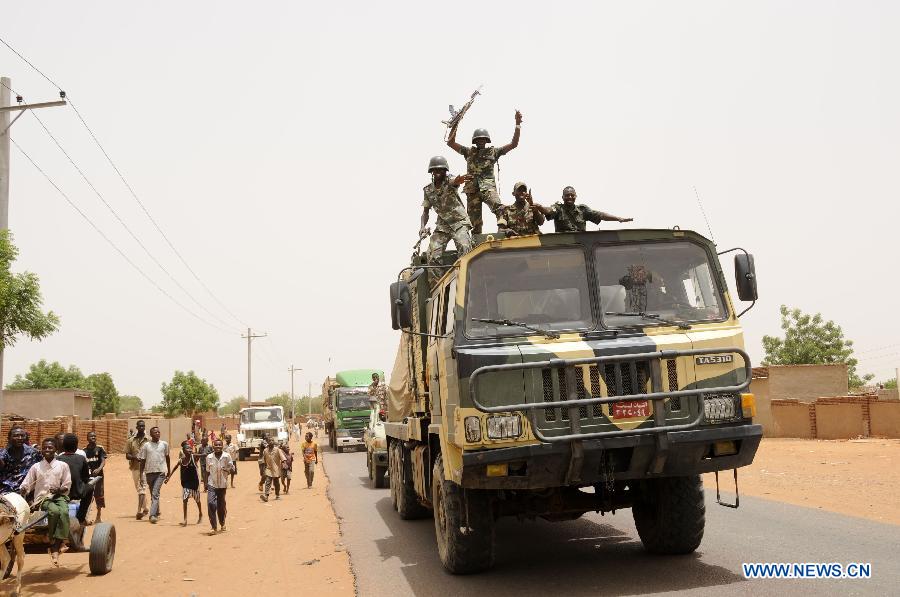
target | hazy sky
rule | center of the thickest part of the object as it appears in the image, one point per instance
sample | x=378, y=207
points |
x=283, y=148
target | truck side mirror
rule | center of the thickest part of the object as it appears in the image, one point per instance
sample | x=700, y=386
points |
x=745, y=276
x=401, y=305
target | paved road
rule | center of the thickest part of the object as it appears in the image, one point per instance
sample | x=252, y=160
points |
x=602, y=555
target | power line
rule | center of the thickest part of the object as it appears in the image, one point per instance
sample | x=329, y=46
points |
x=111, y=243
x=129, y=187
x=124, y=225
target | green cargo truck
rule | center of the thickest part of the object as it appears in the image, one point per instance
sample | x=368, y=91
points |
x=347, y=408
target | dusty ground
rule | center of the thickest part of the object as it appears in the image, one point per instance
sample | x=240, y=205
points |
x=856, y=477
x=278, y=548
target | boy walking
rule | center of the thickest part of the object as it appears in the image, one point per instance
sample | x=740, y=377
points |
x=310, y=450
x=274, y=458
x=219, y=467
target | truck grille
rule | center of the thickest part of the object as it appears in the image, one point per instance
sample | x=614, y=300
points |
x=357, y=433
x=620, y=379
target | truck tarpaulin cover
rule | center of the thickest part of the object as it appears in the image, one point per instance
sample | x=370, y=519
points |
x=400, y=396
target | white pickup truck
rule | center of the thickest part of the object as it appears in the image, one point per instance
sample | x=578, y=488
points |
x=258, y=421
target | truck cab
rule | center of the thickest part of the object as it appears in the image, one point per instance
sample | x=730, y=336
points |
x=559, y=374
x=259, y=421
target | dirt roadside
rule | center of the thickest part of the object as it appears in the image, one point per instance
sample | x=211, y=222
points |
x=853, y=477
x=277, y=548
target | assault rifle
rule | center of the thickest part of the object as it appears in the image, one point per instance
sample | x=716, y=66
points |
x=456, y=115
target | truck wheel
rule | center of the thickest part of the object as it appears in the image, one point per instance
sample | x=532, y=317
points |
x=242, y=455
x=379, y=477
x=103, y=549
x=369, y=465
x=403, y=492
x=463, y=524
x=670, y=514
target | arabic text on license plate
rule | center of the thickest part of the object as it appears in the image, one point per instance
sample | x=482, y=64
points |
x=631, y=409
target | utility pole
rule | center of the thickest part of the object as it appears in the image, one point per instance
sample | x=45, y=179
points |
x=6, y=108
x=309, y=394
x=293, y=370
x=250, y=336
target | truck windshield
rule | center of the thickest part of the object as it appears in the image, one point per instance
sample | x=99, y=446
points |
x=643, y=284
x=262, y=415
x=544, y=288
x=353, y=401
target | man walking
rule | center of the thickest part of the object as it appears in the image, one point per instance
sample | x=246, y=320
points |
x=232, y=451
x=481, y=187
x=132, y=449
x=568, y=217
x=219, y=467
x=154, y=459
x=203, y=451
x=310, y=450
x=274, y=459
x=96, y=459
x=51, y=481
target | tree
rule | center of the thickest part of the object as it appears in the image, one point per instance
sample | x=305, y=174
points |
x=46, y=376
x=810, y=340
x=187, y=394
x=129, y=403
x=20, y=303
x=233, y=406
x=303, y=405
x=106, y=397
x=891, y=384
x=283, y=400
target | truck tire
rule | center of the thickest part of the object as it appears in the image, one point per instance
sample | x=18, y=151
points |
x=670, y=514
x=403, y=492
x=103, y=549
x=242, y=454
x=380, y=476
x=463, y=524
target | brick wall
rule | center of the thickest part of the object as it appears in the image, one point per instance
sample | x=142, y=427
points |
x=37, y=430
x=111, y=433
x=838, y=417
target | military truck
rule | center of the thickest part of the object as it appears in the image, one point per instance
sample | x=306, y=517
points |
x=549, y=376
x=346, y=407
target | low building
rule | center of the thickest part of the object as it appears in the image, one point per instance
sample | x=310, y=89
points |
x=46, y=404
x=794, y=382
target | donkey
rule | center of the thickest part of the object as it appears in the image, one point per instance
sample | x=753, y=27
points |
x=14, y=514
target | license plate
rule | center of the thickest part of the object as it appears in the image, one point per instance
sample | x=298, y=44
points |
x=631, y=409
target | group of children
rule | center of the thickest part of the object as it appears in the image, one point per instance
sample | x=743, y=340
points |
x=276, y=464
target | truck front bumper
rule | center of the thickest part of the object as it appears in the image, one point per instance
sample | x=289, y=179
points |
x=677, y=453
x=346, y=442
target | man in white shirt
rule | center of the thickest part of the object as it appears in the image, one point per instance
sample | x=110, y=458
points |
x=219, y=467
x=51, y=480
x=154, y=458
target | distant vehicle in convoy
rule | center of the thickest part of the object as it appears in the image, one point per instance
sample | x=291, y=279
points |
x=259, y=420
x=376, y=447
x=549, y=376
x=346, y=406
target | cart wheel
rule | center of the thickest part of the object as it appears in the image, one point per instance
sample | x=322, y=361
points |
x=103, y=548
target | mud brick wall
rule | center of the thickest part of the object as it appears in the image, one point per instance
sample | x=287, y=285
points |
x=37, y=430
x=111, y=433
x=792, y=418
x=215, y=423
x=839, y=417
x=885, y=418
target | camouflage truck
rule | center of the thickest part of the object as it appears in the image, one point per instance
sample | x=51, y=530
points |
x=549, y=376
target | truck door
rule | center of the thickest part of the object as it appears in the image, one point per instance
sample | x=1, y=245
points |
x=433, y=369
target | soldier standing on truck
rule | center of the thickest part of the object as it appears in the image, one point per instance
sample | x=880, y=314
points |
x=480, y=162
x=378, y=390
x=568, y=217
x=452, y=219
x=522, y=217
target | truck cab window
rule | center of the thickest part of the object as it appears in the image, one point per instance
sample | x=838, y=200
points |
x=449, y=307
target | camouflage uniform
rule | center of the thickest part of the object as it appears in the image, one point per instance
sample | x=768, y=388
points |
x=452, y=221
x=378, y=390
x=520, y=221
x=483, y=187
x=574, y=218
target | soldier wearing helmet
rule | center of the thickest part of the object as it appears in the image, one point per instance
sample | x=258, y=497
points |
x=521, y=218
x=569, y=217
x=480, y=161
x=452, y=220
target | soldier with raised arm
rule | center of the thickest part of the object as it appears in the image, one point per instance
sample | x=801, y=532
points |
x=569, y=217
x=522, y=217
x=452, y=221
x=480, y=161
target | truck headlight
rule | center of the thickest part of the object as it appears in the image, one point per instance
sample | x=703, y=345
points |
x=504, y=427
x=473, y=429
x=721, y=408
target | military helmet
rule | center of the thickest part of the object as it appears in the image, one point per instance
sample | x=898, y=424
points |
x=481, y=134
x=518, y=186
x=438, y=162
